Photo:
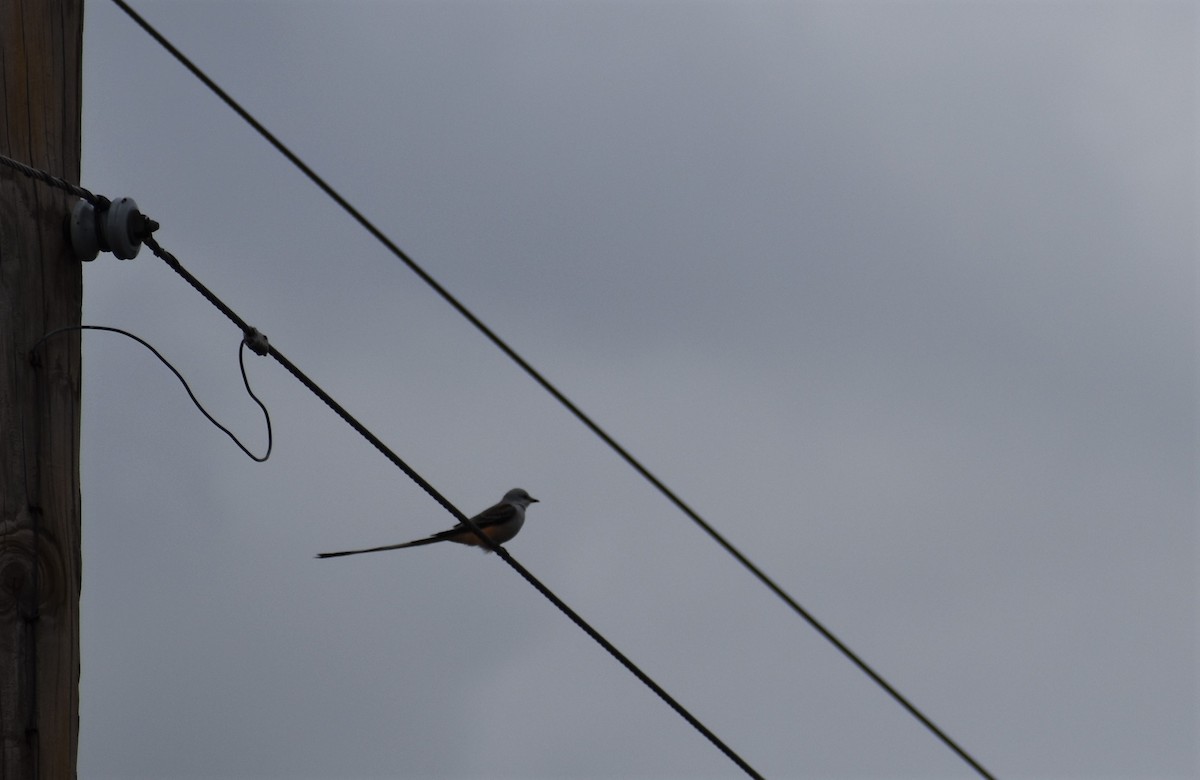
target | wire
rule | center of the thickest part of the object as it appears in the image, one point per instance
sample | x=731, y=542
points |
x=52, y=180
x=363, y=431
x=528, y=368
x=553, y=390
x=259, y=344
x=179, y=376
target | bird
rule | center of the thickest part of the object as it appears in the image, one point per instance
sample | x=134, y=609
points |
x=499, y=523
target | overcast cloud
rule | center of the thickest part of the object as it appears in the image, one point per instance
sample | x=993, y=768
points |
x=900, y=296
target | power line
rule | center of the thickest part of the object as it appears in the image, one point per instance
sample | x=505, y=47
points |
x=341, y=411
x=258, y=343
x=54, y=181
x=554, y=391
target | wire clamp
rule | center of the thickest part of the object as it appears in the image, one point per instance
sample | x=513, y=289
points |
x=256, y=340
x=112, y=226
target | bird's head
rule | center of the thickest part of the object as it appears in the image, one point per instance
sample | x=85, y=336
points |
x=520, y=497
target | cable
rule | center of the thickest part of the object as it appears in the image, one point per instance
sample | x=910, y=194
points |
x=241, y=363
x=554, y=391
x=258, y=343
x=530, y=370
x=363, y=431
x=52, y=180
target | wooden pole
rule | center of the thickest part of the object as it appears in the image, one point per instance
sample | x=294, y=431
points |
x=41, y=44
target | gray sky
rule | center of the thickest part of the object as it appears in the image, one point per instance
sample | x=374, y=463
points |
x=900, y=296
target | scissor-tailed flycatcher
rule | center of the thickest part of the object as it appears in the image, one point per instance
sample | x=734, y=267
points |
x=500, y=523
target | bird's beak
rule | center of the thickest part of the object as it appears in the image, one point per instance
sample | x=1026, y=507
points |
x=533, y=500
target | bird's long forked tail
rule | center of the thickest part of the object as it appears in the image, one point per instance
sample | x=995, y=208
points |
x=415, y=543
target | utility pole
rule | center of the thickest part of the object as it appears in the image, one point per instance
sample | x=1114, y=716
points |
x=41, y=43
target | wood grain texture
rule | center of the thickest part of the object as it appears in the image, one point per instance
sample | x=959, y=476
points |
x=40, y=289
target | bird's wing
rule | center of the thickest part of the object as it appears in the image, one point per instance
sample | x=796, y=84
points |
x=493, y=515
